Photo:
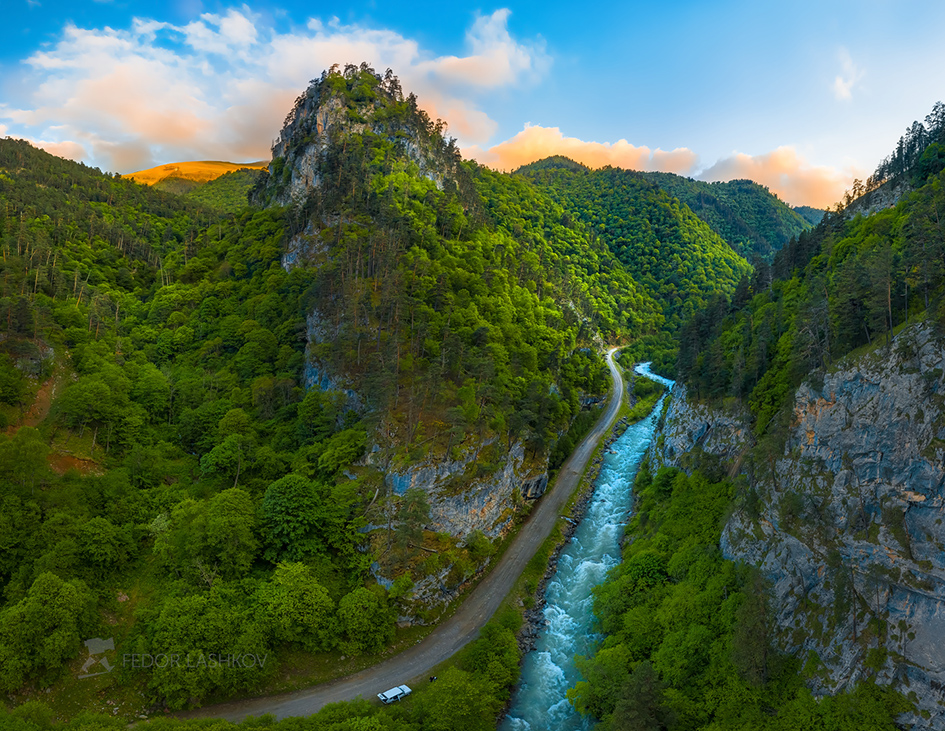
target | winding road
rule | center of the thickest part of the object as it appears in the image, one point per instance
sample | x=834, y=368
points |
x=463, y=627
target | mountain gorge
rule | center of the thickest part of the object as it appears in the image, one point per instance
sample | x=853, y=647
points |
x=296, y=412
x=358, y=380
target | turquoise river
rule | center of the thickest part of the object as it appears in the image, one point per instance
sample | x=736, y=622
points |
x=540, y=702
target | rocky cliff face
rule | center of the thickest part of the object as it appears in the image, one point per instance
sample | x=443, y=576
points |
x=690, y=429
x=849, y=524
x=885, y=196
x=483, y=503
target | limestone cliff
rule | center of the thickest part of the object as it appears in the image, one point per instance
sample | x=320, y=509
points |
x=885, y=196
x=847, y=521
x=322, y=117
x=486, y=503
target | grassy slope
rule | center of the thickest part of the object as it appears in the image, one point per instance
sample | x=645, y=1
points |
x=202, y=171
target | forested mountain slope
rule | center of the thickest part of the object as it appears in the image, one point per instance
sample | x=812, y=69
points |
x=751, y=219
x=754, y=222
x=661, y=242
x=446, y=293
x=821, y=387
x=196, y=173
x=812, y=215
x=841, y=286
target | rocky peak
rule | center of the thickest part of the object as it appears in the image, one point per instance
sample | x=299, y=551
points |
x=322, y=129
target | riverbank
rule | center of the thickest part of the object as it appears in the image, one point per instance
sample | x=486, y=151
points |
x=533, y=618
x=632, y=411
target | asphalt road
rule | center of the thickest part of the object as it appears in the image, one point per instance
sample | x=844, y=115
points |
x=463, y=627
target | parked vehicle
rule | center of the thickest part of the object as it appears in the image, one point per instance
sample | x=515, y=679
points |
x=394, y=694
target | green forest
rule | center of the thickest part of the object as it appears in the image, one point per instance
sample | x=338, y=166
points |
x=840, y=287
x=203, y=392
x=751, y=219
x=689, y=634
x=663, y=244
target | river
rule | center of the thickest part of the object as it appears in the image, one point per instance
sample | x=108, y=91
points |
x=539, y=702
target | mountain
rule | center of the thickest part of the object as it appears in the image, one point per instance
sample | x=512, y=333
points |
x=753, y=221
x=555, y=162
x=812, y=215
x=221, y=185
x=345, y=390
x=460, y=307
x=189, y=175
x=747, y=215
x=660, y=241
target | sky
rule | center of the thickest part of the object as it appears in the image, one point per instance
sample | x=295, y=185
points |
x=801, y=97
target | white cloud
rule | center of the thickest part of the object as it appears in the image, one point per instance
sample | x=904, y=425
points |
x=219, y=87
x=849, y=77
x=497, y=59
x=233, y=33
x=69, y=150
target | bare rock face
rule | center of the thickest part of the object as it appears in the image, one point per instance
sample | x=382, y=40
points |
x=322, y=116
x=485, y=504
x=849, y=524
x=689, y=426
x=885, y=196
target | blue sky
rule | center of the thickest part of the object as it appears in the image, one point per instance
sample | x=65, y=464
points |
x=801, y=97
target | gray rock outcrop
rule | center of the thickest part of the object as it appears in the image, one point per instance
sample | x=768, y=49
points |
x=481, y=503
x=690, y=428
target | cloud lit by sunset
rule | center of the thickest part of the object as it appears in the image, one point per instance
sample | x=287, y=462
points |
x=220, y=86
x=782, y=171
x=128, y=87
x=535, y=142
x=787, y=175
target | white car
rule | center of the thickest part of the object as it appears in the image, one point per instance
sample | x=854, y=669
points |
x=394, y=694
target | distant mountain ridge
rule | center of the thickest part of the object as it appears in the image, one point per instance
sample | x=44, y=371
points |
x=811, y=214
x=197, y=171
x=217, y=184
x=751, y=219
x=661, y=241
x=754, y=221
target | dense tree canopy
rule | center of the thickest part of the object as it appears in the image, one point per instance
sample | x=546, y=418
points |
x=216, y=402
x=688, y=634
x=754, y=222
x=663, y=244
